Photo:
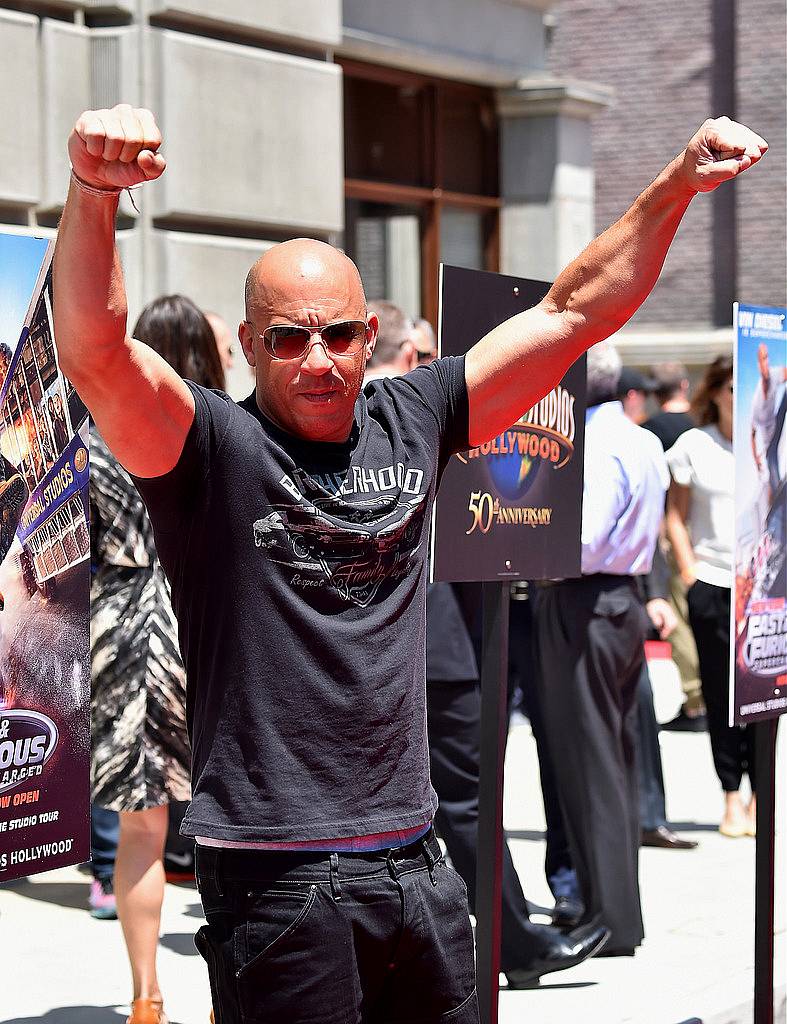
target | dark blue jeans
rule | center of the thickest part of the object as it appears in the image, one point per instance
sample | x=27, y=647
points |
x=376, y=938
x=104, y=829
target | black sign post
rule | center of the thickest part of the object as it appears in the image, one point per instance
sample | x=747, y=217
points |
x=508, y=510
x=494, y=724
x=765, y=758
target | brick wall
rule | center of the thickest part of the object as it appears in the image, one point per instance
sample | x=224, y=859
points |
x=668, y=77
x=761, y=103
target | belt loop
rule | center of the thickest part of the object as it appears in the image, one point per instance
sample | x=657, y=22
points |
x=216, y=872
x=336, y=889
x=390, y=865
x=207, y=863
x=430, y=861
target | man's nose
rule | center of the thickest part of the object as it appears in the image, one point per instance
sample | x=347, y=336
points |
x=317, y=359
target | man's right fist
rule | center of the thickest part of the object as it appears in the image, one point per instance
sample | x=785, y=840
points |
x=116, y=148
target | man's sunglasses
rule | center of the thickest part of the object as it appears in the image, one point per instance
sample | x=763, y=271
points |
x=292, y=341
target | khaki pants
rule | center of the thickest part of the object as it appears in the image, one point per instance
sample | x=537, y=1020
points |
x=684, y=649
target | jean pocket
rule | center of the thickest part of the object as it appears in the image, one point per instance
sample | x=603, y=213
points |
x=273, y=919
x=452, y=877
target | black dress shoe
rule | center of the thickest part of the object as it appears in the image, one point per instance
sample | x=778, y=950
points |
x=567, y=913
x=665, y=839
x=565, y=951
x=687, y=723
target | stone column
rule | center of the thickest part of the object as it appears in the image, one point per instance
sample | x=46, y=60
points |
x=546, y=173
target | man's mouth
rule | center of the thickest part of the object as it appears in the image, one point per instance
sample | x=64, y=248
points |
x=319, y=397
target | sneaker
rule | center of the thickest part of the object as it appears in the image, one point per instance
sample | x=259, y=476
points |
x=102, y=900
x=179, y=865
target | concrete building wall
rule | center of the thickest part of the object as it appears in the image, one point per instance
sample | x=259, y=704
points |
x=276, y=158
x=304, y=21
x=252, y=133
x=20, y=110
x=249, y=100
x=485, y=35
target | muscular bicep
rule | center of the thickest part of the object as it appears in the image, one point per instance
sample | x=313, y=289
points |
x=141, y=407
x=516, y=364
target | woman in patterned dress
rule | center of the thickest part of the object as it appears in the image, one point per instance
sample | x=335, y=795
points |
x=141, y=758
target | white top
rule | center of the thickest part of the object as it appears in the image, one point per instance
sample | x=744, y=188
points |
x=623, y=496
x=763, y=411
x=702, y=460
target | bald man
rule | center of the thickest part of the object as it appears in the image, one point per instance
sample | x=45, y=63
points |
x=293, y=527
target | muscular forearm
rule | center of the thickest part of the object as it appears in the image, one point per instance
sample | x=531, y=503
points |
x=90, y=307
x=605, y=285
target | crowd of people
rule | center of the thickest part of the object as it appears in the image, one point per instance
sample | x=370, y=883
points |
x=656, y=562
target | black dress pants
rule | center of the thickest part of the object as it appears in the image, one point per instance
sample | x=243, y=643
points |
x=732, y=746
x=454, y=715
x=652, y=803
x=590, y=642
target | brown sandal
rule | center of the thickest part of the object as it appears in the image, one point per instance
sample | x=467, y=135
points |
x=147, y=1011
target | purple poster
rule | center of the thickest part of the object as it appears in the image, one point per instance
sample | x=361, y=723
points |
x=44, y=579
x=758, y=683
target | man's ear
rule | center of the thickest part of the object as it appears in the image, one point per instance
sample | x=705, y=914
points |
x=408, y=356
x=371, y=335
x=246, y=337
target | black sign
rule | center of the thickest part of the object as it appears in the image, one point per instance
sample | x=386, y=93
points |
x=511, y=508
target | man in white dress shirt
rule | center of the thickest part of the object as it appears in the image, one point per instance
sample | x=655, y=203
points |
x=590, y=634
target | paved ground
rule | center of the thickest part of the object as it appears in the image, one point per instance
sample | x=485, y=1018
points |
x=62, y=967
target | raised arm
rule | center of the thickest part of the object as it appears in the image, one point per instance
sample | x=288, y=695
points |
x=519, y=361
x=139, y=403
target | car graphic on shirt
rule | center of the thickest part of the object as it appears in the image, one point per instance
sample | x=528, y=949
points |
x=356, y=553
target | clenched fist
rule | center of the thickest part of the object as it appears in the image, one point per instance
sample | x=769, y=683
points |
x=116, y=148
x=720, y=150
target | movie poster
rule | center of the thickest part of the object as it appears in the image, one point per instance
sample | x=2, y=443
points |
x=511, y=508
x=758, y=686
x=44, y=580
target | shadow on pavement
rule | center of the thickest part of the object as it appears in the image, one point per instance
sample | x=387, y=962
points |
x=545, y=988
x=194, y=910
x=693, y=826
x=535, y=837
x=179, y=942
x=64, y=894
x=676, y=826
x=74, y=1015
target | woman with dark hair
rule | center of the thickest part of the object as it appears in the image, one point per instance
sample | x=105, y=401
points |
x=141, y=756
x=701, y=528
x=180, y=332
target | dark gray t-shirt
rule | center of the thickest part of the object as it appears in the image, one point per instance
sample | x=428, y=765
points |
x=298, y=579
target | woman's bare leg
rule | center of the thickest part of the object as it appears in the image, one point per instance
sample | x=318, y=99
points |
x=139, y=891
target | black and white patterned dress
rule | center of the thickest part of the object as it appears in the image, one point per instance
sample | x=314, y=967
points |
x=140, y=747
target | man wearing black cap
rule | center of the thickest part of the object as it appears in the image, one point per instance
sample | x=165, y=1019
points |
x=633, y=392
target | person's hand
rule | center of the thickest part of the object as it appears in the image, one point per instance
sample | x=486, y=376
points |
x=116, y=148
x=720, y=150
x=662, y=616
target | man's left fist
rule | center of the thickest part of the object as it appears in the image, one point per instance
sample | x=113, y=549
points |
x=720, y=150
